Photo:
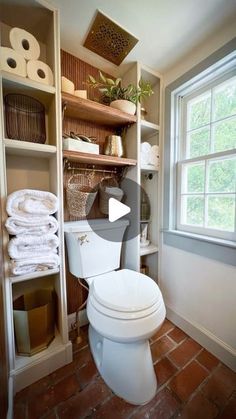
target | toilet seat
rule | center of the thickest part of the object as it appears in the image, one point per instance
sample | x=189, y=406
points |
x=125, y=294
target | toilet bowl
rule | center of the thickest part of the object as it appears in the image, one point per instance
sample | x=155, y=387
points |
x=125, y=308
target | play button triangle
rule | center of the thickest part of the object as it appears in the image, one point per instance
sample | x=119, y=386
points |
x=117, y=210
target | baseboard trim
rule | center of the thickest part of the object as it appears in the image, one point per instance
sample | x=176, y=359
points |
x=224, y=352
x=83, y=319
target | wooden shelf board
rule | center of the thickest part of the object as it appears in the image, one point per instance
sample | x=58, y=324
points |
x=148, y=128
x=14, y=80
x=27, y=277
x=88, y=110
x=148, y=250
x=25, y=148
x=98, y=159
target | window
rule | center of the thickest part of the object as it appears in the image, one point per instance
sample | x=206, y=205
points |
x=206, y=162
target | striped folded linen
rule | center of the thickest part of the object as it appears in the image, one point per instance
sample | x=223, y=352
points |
x=31, y=225
x=40, y=263
x=31, y=202
x=23, y=247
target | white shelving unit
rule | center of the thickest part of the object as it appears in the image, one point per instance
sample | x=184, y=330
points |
x=37, y=166
x=147, y=176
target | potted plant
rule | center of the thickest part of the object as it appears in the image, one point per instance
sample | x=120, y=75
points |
x=122, y=98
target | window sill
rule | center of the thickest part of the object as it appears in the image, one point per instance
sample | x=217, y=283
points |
x=212, y=240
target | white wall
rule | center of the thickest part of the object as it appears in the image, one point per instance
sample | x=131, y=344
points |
x=200, y=293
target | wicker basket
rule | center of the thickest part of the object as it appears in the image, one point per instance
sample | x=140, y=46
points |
x=104, y=195
x=25, y=118
x=80, y=196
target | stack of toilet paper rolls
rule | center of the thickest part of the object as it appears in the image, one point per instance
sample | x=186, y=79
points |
x=149, y=155
x=22, y=58
x=68, y=86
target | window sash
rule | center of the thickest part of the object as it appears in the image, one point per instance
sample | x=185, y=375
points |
x=203, y=229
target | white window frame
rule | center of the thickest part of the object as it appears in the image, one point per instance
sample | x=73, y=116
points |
x=181, y=151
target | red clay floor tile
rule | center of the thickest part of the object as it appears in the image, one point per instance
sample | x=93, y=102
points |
x=82, y=357
x=53, y=396
x=198, y=407
x=163, y=406
x=220, y=386
x=208, y=360
x=184, y=352
x=85, y=402
x=114, y=408
x=161, y=347
x=187, y=380
x=87, y=374
x=177, y=335
x=167, y=326
x=164, y=369
x=230, y=410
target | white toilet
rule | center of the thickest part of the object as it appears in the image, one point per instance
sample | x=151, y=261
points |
x=125, y=308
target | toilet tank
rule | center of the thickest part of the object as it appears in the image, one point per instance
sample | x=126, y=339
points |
x=91, y=254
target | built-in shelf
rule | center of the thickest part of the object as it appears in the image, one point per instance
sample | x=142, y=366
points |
x=98, y=159
x=25, y=148
x=88, y=110
x=149, y=168
x=148, y=128
x=33, y=275
x=25, y=362
x=148, y=250
x=12, y=80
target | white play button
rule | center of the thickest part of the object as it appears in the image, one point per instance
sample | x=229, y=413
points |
x=117, y=210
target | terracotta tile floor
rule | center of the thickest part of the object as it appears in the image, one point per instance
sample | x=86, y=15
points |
x=192, y=384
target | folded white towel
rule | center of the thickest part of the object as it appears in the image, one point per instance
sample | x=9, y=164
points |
x=31, y=225
x=23, y=247
x=31, y=202
x=39, y=263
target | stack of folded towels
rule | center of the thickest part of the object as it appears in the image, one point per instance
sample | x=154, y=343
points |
x=149, y=155
x=34, y=247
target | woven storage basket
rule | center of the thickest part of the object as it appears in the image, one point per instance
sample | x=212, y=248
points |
x=104, y=196
x=25, y=118
x=80, y=196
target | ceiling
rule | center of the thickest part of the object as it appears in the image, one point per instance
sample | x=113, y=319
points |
x=166, y=29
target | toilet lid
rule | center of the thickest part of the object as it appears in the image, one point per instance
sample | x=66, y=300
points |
x=125, y=290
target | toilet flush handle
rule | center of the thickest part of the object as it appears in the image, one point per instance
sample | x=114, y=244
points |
x=83, y=239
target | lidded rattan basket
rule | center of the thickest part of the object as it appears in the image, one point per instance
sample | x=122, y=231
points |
x=25, y=118
x=80, y=195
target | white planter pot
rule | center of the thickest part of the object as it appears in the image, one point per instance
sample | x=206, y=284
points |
x=124, y=106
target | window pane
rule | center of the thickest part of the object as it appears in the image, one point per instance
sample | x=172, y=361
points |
x=222, y=175
x=193, y=178
x=221, y=212
x=198, y=142
x=224, y=135
x=192, y=210
x=199, y=111
x=224, y=99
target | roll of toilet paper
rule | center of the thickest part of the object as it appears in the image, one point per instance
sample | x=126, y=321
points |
x=39, y=71
x=81, y=93
x=155, y=150
x=12, y=62
x=67, y=86
x=24, y=43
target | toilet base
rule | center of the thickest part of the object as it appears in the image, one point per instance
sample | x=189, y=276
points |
x=125, y=367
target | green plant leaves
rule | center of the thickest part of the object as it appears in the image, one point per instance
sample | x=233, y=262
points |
x=111, y=89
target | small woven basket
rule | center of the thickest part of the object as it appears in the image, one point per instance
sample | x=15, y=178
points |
x=104, y=196
x=25, y=118
x=80, y=196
